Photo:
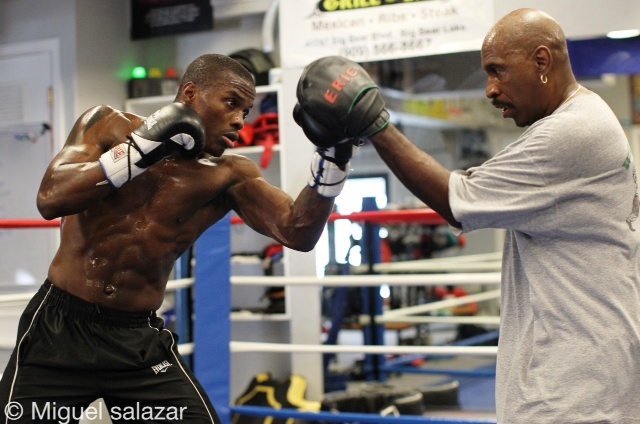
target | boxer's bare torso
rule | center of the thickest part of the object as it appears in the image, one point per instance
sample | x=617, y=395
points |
x=119, y=252
x=118, y=247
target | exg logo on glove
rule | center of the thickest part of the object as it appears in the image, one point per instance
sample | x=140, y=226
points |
x=118, y=152
x=339, y=83
x=151, y=121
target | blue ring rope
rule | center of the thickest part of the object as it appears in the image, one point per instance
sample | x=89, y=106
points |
x=348, y=417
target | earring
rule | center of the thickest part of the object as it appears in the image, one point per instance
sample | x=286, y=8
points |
x=544, y=79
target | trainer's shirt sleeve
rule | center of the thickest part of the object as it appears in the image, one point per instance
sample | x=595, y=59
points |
x=517, y=189
x=548, y=181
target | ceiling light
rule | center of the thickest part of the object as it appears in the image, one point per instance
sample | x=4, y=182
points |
x=625, y=33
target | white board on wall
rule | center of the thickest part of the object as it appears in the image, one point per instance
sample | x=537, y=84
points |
x=372, y=30
x=26, y=147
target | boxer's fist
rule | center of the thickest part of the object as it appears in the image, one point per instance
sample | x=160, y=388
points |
x=172, y=128
x=338, y=100
x=166, y=131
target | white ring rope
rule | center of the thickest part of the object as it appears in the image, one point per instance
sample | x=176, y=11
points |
x=477, y=257
x=181, y=283
x=21, y=299
x=402, y=267
x=467, y=263
x=186, y=348
x=476, y=320
x=440, y=304
x=329, y=281
x=372, y=280
x=16, y=299
x=237, y=346
x=397, y=315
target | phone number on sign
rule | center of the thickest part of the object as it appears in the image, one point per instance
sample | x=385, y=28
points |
x=363, y=51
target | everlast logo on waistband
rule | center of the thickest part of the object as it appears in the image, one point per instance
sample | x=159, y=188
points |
x=339, y=83
x=161, y=367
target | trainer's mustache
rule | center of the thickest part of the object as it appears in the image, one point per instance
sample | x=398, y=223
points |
x=500, y=105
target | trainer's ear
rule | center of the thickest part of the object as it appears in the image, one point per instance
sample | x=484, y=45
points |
x=543, y=58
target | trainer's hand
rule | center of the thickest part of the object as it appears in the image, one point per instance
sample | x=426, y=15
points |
x=172, y=128
x=338, y=100
x=330, y=168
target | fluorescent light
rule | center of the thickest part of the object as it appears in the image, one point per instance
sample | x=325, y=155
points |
x=625, y=33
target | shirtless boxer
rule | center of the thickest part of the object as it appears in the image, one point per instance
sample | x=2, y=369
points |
x=134, y=194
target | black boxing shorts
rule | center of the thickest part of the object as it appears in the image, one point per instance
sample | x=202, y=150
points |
x=69, y=353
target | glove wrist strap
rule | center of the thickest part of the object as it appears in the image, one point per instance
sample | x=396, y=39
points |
x=120, y=164
x=327, y=178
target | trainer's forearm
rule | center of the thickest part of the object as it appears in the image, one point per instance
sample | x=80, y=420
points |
x=418, y=171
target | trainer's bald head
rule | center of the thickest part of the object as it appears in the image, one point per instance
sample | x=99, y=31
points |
x=527, y=63
x=525, y=30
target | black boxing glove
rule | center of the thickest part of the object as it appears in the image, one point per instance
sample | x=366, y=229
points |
x=172, y=128
x=330, y=168
x=338, y=100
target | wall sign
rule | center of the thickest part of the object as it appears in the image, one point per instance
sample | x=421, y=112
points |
x=371, y=30
x=154, y=18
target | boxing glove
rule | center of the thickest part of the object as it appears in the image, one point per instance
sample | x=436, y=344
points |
x=330, y=168
x=172, y=128
x=338, y=100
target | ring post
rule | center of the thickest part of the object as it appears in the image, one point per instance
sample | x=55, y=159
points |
x=212, y=328
x=183, y=312
x=372, y=302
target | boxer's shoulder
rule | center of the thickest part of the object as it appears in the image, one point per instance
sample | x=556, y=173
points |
x=103, y=124
x=228, y=171
x=104, y=116
x=232, y=161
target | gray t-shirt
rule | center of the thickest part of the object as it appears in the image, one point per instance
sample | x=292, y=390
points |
x=566, y=192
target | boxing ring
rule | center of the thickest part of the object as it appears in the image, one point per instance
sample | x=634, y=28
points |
x=211, y=301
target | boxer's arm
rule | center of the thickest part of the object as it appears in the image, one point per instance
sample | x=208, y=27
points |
x=418, y=171
x=295, y=223
x=73, y=179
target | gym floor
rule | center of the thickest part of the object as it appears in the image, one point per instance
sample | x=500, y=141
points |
x=476, y=395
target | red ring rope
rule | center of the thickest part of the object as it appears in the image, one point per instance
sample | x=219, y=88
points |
x=423, y=216
x=29, y=223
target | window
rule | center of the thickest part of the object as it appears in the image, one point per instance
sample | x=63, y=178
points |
x=349, y=201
